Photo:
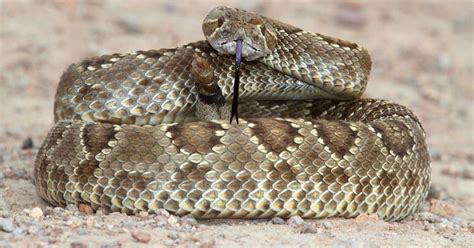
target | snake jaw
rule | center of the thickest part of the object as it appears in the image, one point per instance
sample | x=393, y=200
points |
x=249, y=52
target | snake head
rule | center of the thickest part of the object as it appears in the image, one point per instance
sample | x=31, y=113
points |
x=223, y=26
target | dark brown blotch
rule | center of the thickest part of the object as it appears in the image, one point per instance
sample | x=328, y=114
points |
x=203, y=46
x=96, y=61
x=337, y=135
x=155, y=54
x=395, y=136
x=95, y=138
x=275, y=135
x=195, y=137
x=339, y=42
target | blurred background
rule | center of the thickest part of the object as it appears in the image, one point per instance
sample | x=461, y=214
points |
x=422, y=55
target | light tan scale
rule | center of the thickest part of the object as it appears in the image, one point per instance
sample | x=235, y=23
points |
x=127, y=137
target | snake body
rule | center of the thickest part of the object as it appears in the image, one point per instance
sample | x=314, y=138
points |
x=127, y=137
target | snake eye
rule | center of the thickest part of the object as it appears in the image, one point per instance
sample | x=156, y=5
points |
x=220, y=21
x=210, y=26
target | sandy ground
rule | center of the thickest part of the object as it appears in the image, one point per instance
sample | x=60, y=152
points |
x=422, y=58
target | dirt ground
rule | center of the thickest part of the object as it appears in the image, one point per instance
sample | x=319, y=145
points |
x=422, y=58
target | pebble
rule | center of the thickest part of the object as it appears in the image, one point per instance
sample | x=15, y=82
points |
x=6, y=225
x=27, y=144
x=327, y=225
x=295, y=221
x=308, y=228
x=141, y=236
x=32, y=230
x=35, y=213
x=189, y=220
x=72, y=209
x=74, y=222
x=103, y=211
x=85, y=209
x=162, y=212
x=460, y=221
x=173, y=236
x=278, y=221
x=429, y=217
x=172, y=220
x=59, y=211
x=143, y=214
x=77, y=244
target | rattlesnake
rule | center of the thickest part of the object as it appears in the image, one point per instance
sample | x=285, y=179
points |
x=127, y=136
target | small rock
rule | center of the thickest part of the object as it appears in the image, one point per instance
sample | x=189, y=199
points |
x=471, y=229
x=48, y=211
x=85, y=209
x=162, y=212
x=429, y=217
x=173, y=236
x=308, y=228
x=103, y=211
x=74, y=222
x=460, y=221
x=172, y=220
x=327, y=225
x=189, y=220
x=36, y=213
x=32, y=230
x=6, y=225
x=72, y=209
x=78, y=244
x=278, y=221
x=441, y=208
x=295, y=221
x=140, y=236
x=143, y=214
x=27, y=144
x=439, y=225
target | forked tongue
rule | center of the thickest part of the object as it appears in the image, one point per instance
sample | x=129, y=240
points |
x=235, y=99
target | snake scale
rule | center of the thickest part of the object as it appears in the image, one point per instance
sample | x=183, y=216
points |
x=127, y=135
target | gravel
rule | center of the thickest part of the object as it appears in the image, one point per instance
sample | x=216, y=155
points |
x=6, y=225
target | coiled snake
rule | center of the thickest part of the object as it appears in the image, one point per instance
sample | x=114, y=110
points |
x=137, y=131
